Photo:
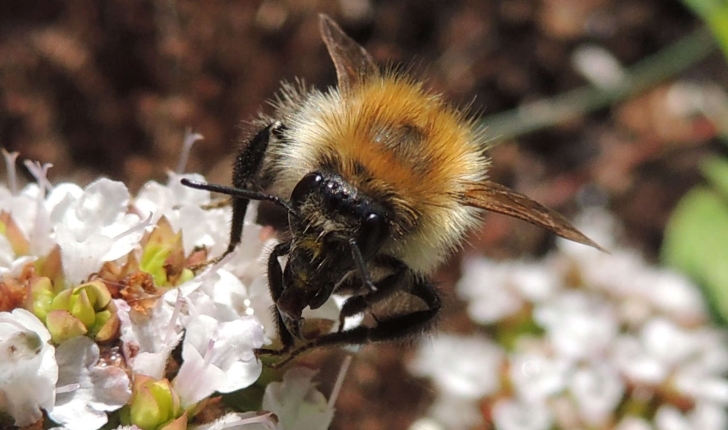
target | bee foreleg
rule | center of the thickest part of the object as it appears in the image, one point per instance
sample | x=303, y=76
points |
x=275, y=282
x=247, y=164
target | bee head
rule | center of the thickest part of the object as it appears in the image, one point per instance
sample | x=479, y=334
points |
x=333, y=209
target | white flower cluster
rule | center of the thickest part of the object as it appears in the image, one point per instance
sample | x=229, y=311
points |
x=582, y=339
x=72, y=348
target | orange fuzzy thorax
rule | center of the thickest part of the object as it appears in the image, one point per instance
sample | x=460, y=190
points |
x=392, y=140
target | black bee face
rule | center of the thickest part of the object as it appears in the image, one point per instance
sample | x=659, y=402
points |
x=330, y=219
x=331, y=210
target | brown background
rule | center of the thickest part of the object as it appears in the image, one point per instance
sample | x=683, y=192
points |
x=108, y=88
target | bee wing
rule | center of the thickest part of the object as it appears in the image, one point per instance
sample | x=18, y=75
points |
x=352, y=62
x=494, y=197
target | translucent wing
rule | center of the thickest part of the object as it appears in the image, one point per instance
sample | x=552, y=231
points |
x=497, y=198
x=352, y=62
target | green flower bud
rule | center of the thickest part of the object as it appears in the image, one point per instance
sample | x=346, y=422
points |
x=89, y=304
x=154, y=405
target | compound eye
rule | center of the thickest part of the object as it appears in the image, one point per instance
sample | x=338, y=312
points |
x=372, y=234
x=306, y=186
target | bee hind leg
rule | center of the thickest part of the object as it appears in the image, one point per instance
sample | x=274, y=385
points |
x=384, y=288
x=396, y=327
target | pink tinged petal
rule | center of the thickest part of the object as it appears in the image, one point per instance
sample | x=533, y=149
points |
x=96, y=390
x=190, y=139
x=297, y=403
x=515, y=415
x=40, y=173
x=28, y=368
x=232, y=352
x=196, y=379
x=10, y=159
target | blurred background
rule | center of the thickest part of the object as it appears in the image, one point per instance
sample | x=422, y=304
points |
x=610, y=103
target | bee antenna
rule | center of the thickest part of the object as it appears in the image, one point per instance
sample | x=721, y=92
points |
x=240, y=193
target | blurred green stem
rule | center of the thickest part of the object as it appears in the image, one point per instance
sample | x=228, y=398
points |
x=643, y=75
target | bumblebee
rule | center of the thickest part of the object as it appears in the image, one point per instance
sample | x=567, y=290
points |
x=381, y=180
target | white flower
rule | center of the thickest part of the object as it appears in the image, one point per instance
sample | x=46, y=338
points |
x=636, y=363
x=578, y=325
x=537, y=377
x=148, y=339
x=463, y=366
x=89, y=229
x=597, y=389
x=218, y=356
x=297, y=403
x=242, y=421
x=515, y=415
x=703, y=416
x=615, y=331
x=218, y=294
x=455, y=412
x=496, y=290
x=633, y=423
x=89, y=390
x=28, y=369
x=209, y=228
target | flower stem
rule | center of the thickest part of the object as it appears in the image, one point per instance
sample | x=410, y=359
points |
x=643, y=75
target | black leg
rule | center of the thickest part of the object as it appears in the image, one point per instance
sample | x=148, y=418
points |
x=275, y=282
x=384, y=288
x=395, y=327
x=247, y=165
